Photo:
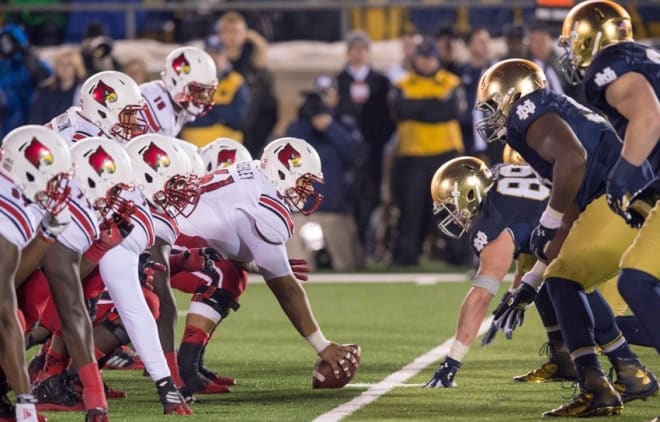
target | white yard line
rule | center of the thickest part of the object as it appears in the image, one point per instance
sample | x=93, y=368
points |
x=417, y=278
x=393, y=380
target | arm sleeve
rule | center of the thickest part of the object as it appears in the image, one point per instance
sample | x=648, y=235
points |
x=123, y=284
x=272, y=259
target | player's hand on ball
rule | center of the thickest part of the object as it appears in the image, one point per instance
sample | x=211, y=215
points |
x=339, y=357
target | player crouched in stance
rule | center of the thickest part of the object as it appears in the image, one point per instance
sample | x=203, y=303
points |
x=35, y=170
x=573, y=148
x=498, y=210
x=244, y=213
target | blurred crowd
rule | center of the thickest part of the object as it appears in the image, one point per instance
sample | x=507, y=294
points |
x=381, y=136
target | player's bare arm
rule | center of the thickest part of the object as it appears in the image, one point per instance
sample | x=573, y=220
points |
x=633, y=96
x=294, y=303
x=160, y=253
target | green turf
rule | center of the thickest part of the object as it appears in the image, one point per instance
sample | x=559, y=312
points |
x=394, y=323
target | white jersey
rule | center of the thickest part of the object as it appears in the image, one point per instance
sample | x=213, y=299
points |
x=72, y=126
x=240, y=214
x=18, y=222
x=84, y=227
x=160, y=113
x=165, y=227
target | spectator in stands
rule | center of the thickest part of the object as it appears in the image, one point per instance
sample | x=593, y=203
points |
x=136, y=68
x=363, y=95
x=478, y=44
x=338, y=142
x=427, y=104
x=542, y=53
x=246, y=51
x=445, y=41
x=232, y=98
x=96, y=49
x=61, y=90
x=21, y=71
x=517, y=41
x=409, y=39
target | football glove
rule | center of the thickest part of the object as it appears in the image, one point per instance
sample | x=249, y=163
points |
x=111, y=234
x=617, y=191
x=510, y=320
x=642, y=202
x=147, y=269
x=444, y=376
x=513, y=314
x=492, y=331
x=53, y=224
x=196, y=259
x=539, y=239
x=300, y=268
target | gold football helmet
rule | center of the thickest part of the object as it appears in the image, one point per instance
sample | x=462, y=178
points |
x=501, y=86
x=458, y=188
x=587, y=28
x=511, y=156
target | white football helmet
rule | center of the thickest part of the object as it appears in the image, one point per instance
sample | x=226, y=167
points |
x=190, y=77
x=162, y=174
x=37, y=160
x=113, y=102
x=103, y=173
x=193, y=154
x=293, y=165
x=222, y=153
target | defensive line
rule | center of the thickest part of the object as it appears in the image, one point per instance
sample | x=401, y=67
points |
x=395, y=379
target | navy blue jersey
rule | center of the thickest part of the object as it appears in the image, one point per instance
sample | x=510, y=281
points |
x=596, y=135
x=514, y=203
x=609, y=64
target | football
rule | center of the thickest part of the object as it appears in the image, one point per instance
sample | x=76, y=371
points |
x=324, y=377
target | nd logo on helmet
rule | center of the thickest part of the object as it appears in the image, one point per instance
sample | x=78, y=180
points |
x=180, y=65
x=155, y=157
x=226, y=157
x=102, y=162
x=104, y=94
x=290, y=157
x=38, y=154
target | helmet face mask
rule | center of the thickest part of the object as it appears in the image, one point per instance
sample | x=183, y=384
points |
x=568, y=62
x=302, y=197
x=451, y=220
x=196, y=98
x=113, y=208
x=57, y=193
x=129, y=123
x=179, y=196
x=492, y=127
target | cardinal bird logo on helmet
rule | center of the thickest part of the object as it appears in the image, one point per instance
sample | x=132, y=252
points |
x=180, y=65
x=226, y=157
x=102, y=162
x=38, y=154
x=155, y=157
x=104, y=94
x=290, y=157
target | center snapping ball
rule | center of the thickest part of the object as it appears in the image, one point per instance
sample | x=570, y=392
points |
x=324, y=376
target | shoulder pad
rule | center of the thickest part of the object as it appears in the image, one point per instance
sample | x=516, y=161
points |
x=273, y=220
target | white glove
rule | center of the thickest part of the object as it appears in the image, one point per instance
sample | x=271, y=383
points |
x=52, y=225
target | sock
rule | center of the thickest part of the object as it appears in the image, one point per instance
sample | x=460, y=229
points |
x=93, y=395
x=193, y=342
x=642, y=293
x=25, y=408
x=576, y=321
x=173, y=364
x=548, y=317
x=55, y=364
x=633, y=331
x=606, y=331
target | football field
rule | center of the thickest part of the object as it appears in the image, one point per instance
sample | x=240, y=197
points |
x=394, y=323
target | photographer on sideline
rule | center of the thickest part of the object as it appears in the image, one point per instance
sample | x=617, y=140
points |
x=341, y=148
x=21, y=71
x=96, y=50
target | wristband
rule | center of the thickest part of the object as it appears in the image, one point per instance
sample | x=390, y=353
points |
x=551, y=218
x=458, y=351
x=318, y=341
x=534, y=277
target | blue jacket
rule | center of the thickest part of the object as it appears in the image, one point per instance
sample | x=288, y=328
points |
x=341, y=149
x=19, y=77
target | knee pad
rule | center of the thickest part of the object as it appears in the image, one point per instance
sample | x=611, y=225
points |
x=113, y=324
x=213, y=303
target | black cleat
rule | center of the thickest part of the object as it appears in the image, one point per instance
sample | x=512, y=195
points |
x=172, y=400
x=597, y=397
x=57, y=393
x=633, y=380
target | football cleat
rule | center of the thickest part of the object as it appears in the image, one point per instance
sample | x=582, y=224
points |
x=559, y=367
x=112, y=393
x=216, y=378
x=209, y=387
x=172, y=400
x=597, y=397
x=97, y=415
x=444, y=376
x=57, y=393
x=36, y=365
x=7, y=409
x=633, y=380
x=122, y=359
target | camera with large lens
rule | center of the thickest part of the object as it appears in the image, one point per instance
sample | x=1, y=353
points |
x=100, y=47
